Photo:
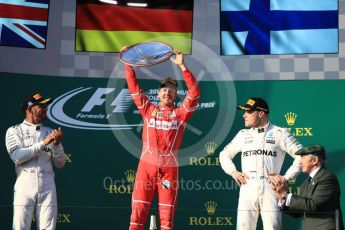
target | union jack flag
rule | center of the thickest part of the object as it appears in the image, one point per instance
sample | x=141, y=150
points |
x=23, y=23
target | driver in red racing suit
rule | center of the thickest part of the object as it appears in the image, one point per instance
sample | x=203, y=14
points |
x=163, y=130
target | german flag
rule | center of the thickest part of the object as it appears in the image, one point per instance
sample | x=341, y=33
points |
x=108, y=25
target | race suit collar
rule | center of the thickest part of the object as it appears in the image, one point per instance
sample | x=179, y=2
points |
x=262, y=129
x=166, y=107
x=37, y=126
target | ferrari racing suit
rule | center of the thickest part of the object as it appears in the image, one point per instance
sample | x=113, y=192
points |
x=158, y=166
x=262, y=152
x=35, y=186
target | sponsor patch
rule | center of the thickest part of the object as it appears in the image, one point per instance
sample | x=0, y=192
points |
x=248, y=140
x=165, y=125
x=172, y=114
x=166, y=184
x=270, y=141
x=154, y=112
x=48, y=150
x=259, y=152
x=37, y=96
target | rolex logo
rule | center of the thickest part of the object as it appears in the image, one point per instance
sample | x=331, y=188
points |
x=211, y=207
x=290, y=118
x=210, y=147
x=130, y=175
x=211, y=220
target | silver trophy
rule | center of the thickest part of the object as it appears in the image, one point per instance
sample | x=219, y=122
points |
x=146, y=53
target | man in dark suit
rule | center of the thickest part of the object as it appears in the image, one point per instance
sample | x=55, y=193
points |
x=319, y=200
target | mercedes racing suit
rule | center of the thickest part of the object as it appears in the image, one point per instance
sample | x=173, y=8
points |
x=35, y=187
x=158, y=166
x=263, y=151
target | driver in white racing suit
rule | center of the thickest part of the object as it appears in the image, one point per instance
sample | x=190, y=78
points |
x=33, y=147
x=263, y=147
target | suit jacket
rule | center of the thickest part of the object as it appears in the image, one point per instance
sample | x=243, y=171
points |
x=318, y=202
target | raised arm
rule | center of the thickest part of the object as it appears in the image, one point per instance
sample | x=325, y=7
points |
x=191, y=100
x=139, y=97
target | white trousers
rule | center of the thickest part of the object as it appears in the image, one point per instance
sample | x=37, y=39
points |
x=257, y=197
x=34, y=192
